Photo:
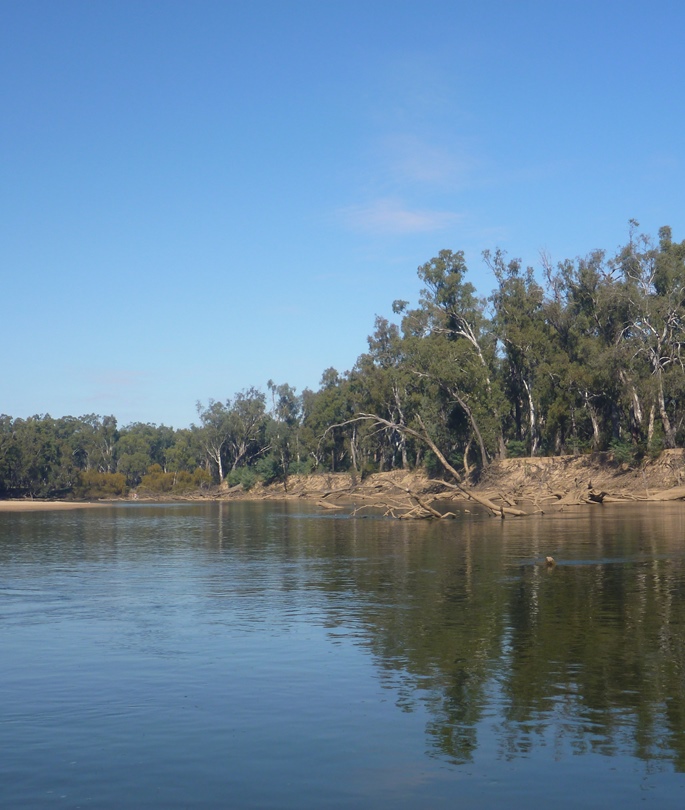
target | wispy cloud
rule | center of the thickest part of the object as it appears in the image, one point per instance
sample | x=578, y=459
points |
x=415, y=164
x=410, y=159
x=391, y=216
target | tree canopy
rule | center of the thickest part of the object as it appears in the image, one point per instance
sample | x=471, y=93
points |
x=580, y=356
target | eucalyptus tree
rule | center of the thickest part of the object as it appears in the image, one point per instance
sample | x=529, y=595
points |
x=44, y=456
x=591, y=372
x=233, y=433
x=451, y=344
x=282, y=432
x=7, y=452
x=186, y=454
x=454, y=406
x=654, y=281
x=38, y=460
x=325, y=434
x=523, y=332
x=141, y=445
x=94, y=442
x=247, y=421
x=452, y=306
x=387, y=386
x=214, y=432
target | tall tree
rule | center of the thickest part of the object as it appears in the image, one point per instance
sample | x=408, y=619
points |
x=215, y=431
x=654, y=280
x=247, y=421
x=461, y=354
x=387, y=386
x=523, y=332
x=283, y=430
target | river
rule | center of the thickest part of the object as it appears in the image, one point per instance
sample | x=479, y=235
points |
x=263, y=655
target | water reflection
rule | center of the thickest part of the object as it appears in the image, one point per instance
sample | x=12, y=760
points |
x=466, y=620
x=588, y=654
x=467, y=629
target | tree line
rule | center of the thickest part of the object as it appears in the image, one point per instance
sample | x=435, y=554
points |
x=580, y=356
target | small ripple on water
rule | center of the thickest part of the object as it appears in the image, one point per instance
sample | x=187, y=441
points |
x=188, y=664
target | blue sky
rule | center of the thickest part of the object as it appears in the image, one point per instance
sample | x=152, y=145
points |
x=198, y=197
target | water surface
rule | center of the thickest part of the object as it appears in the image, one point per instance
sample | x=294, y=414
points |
x=267, y=656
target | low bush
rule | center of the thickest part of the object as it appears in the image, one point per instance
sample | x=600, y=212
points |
x=243, y=475
x=158, y=482
x=94, y=485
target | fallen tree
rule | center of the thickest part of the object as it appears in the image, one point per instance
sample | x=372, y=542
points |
x=423, y=436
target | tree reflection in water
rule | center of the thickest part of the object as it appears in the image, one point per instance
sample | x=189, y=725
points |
x=587, y=656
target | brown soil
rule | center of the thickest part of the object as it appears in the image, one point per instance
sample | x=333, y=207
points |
x=575, y=476
x=532, y=485
x=527, y=484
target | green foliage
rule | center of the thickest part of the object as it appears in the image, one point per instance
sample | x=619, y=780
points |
x=622, y=452
x=584, y=356
x=37, y=459
x=158, y=482
x=301, y=467
x=233, y=433
x=133, y=466
x=95, y=485
x=434, y=467
x=516, y=449
x=269, y=469
x=247, y=476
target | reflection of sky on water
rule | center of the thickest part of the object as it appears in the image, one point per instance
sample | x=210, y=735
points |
x=198, y=653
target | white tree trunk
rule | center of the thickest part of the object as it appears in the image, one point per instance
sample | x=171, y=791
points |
x=532, y=414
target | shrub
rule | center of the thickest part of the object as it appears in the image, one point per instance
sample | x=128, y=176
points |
x=622, y=452
x=158, y=482
x=94, y=485
x=269, y=469
x=202, y=479
x=303, y=467
x=516, y=449
x=243, y=475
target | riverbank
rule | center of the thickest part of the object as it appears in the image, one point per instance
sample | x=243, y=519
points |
x=525, y=484
x=531, y=484
x=29, y=505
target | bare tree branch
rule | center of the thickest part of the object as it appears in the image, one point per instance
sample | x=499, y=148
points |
x=426, y=439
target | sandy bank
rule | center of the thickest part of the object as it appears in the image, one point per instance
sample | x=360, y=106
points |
x=514, y=486
x=44, y=506
x=533, y=484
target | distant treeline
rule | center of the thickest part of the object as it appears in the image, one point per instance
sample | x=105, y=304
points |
x=585, y=355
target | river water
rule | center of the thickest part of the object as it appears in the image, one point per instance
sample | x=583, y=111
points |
x=263, y=655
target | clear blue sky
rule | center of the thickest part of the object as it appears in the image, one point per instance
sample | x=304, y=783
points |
x=200, y=196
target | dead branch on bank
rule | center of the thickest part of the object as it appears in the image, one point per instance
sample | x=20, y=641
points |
x=423, y=505
x=487, y=503
x=596, y=497
x=327, y=505
x=422, y=436
x=415, y=508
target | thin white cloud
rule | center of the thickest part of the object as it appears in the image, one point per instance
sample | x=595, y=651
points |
x=410, y=159
x=391, y=216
